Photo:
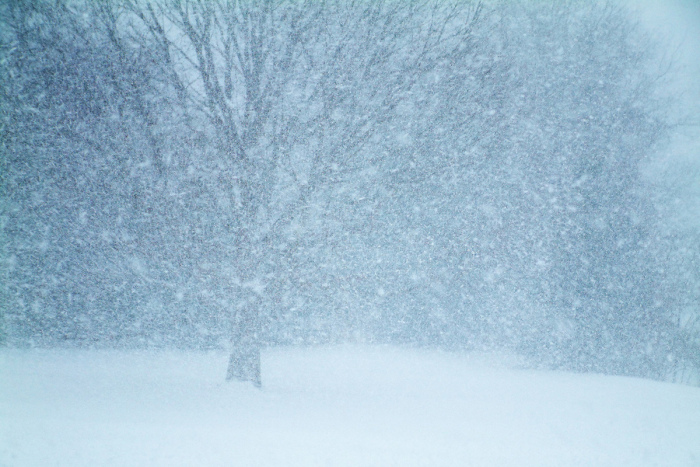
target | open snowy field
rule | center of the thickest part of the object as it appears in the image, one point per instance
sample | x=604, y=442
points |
x=347, y=406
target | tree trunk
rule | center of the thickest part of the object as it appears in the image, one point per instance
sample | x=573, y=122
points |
x=244, y=362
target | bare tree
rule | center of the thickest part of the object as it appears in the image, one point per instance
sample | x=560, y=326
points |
x=288, y=93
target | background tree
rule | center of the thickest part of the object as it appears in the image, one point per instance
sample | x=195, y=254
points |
x=541, y=229
x=596, y=119
x=85, y=175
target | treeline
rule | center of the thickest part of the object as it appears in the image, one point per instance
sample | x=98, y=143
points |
x=453, y=174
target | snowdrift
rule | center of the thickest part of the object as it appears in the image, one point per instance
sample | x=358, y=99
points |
x=347, y=406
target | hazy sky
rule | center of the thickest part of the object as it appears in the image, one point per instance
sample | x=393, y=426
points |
x=678, y=23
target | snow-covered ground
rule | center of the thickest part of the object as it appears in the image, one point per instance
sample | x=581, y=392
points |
x=347, y=406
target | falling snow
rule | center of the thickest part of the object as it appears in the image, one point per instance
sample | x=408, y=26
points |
x=457, y=177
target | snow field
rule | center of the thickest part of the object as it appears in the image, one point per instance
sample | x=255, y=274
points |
x=343, y=406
